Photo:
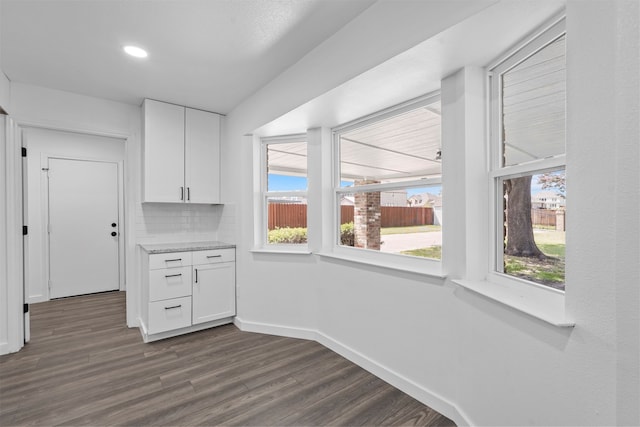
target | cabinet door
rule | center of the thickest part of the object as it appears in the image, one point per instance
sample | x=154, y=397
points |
x=163, y=152
x=202, y=156
x=214, y=292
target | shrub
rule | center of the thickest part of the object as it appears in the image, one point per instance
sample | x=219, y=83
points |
x=288, y=235
x=347, y=238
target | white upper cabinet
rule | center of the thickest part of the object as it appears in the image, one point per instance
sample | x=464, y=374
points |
x=202, y=156
x=181, y=154
x=163, y=152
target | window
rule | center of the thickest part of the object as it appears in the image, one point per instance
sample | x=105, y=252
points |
x=528, y=92
x=284, y=183
x=388, y=181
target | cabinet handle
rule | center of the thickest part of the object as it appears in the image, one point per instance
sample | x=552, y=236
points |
x=181, y=193
x=173, y=306
x=172, y=260
x=214, y=256
x=196, y=274
x=188, y=193
x=174, y=275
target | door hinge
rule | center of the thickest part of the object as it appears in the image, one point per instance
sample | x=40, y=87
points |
x=25, y=230
x=24, y=151
x=25, y=308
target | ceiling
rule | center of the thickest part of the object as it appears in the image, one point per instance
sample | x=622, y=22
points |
x=202, y=53
x=476, y=41
x=409, y=146
x=398, y=148
x=401, y=147
x=533, y=102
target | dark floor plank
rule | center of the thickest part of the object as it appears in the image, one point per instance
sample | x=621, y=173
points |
x=83, y=366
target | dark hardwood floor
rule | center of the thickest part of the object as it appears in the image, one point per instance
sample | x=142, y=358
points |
x=83, y=366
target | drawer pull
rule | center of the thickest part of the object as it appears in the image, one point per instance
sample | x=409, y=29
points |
x=173, y=275
x=173, y=260
x=196, y=274
x=214, y=256
x=173, y=306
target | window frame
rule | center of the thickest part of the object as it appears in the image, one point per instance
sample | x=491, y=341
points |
x=265, y=194
x=415, y=264
x=497, y=172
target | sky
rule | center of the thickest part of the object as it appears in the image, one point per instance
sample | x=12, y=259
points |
x=293, y=183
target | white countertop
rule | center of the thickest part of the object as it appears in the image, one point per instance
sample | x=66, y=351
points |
x=159, y=248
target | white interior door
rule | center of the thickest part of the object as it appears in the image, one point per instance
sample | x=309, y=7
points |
x=83, y=227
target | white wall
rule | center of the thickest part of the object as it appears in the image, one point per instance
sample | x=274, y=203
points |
x=5, y=88
x=4, y=321
x=41, y=144
x=472, y=358
x=5, y=92
x=37, y=107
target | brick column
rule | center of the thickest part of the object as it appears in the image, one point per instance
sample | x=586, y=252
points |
x=560, y=214
x=367, y=218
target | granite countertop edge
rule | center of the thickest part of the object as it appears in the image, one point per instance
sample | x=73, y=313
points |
x=161, y=248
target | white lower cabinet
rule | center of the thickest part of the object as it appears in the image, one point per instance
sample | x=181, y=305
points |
x=187, y=291
x=212, y=296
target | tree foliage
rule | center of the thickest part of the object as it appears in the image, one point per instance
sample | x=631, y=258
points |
x=553, y=180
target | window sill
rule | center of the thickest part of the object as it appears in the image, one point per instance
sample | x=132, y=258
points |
x=429, y=271
x=287, y=251
x=544, y=305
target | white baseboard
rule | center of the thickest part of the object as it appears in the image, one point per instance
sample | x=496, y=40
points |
x=6, y=348
x=34, y=299
x=271, y=329
x=147, y=338
x=418, y=392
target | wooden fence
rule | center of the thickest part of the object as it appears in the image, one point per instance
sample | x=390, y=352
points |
x=543, y=217
x=295, y=215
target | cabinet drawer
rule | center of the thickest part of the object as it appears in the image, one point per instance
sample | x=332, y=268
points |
x=169, y=260
x=169, y=314
x=169, y=283
x=214, y=256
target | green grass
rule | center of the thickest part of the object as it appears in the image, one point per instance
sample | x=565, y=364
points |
x=549, y=249
x=406, y=230
x=544, y=227
x=549, y=271
x=433, y=252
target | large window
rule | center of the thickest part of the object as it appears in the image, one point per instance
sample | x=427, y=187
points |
x=388, y=181
x=528, y=93
x=284, y=183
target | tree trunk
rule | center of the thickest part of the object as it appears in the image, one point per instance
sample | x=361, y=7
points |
x=519, y=237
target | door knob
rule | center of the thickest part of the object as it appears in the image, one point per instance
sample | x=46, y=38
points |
x=114, y=225
x=114, y=234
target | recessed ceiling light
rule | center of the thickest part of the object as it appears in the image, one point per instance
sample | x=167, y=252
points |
x=135, y=51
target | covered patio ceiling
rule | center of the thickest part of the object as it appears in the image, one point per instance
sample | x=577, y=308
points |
x=402, y=147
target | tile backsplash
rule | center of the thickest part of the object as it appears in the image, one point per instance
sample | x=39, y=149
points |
x=168, y=222
x=227, y=226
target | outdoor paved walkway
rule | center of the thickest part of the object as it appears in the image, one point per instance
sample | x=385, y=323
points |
x=395, y=243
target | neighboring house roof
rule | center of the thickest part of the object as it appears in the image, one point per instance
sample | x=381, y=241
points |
x=426, y=199
x=347, y=201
